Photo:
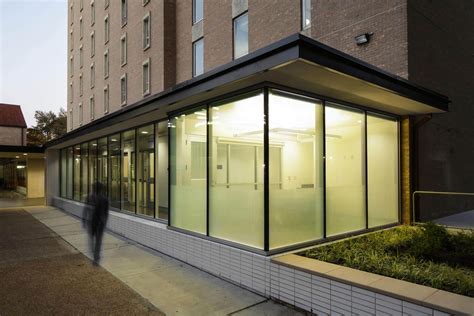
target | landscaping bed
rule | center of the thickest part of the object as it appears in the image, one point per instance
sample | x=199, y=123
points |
x=427, y=255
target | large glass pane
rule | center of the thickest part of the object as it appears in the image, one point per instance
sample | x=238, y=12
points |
x=102, y=170
x=235, y=187
x=382, y=170
x=198, y=57
x=63, y=167
x=198, y=10
x=241, y=36
x=296, y=170
x=188, y=171
x=345, y=170
x=69, y=174
x=128, y=170
x=84, y=171
x=77, y=173
x=146, y=171
x=161, y=140
x=92, y=165
x=114, y=168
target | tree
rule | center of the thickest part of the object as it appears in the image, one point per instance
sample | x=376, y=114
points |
x=48, y=126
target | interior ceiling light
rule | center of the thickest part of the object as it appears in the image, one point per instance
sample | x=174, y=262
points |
x=363, y=39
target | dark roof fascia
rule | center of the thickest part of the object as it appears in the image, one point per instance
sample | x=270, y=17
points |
x=280, y=51
x=324, y=55
x=285, y=50
x=21, y=149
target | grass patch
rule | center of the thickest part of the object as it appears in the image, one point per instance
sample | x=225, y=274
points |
x=427, y=255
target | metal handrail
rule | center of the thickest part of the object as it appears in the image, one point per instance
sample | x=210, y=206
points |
x=435, y=192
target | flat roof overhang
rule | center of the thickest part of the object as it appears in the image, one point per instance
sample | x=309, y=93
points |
x=296, y=62
x=7, y=151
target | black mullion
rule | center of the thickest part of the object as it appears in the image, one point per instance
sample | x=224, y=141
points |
x=324, y=172
x=366, y=145
x=136, y=170
x=155, y=165
x=120, y=171
x=208, y=141
x=266, y=174
x=169, y=172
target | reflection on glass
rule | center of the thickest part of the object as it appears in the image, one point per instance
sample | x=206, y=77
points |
x=198, y=57
x=198, y=10
x=128, y=170
x=92, y=164
x=345, y=170
x=146, y=171
x=64, y=172
x=296, y=170
x=114, y=165
x=77, y=173
x=161, y=180
x=382, y=171
x=102, y=170
x=84, y=171
x=188, y=171
x=241, y=36
x=236, y=172
x=69, y=174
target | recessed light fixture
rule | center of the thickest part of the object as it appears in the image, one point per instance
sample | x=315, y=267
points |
x=363, y=39
x=144, y=132
x=25, y=154
x=17, y=157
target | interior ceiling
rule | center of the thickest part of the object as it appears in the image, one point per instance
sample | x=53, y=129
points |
x=20, y=155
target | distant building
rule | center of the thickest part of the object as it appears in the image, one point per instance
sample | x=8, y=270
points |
x=12, y=125
x=21, y=167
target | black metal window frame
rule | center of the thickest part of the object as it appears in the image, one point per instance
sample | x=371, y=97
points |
x=266, y=87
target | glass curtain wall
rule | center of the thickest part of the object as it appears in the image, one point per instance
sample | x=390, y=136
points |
x=128, y=184
x=69, y=174
x=382, y=165
x=92, y=165
x=102, y=162
x=345, y=170
x=146, y=170
x=77, y=173
x=84, y=171
x=188, y=167
x=236, y=170
x=114, y=170
x=161, y=171
x=296, y=169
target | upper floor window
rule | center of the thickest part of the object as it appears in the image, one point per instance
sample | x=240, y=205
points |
x=71, y=13
x=106, y=29
x=198, y=57
x=146, y=76
x=81, y=85
x=91, y=107
x=71, y=66
x=123, y=89
x=305, y=14
x=92, y=13
x=92, y=44
x=106, y=4
x=71, y=40
x=106, y=99
x=123, y=10
x=146, y=31
x=241, y=35
x=145, y=2
x=198, y=10
x=81, y=5
x=81, y=56
x=92, y=75
x=81, y=114
x=70, y=119
x=71, y=93
x=123, y=49
x=81, y=28
x=106, y=64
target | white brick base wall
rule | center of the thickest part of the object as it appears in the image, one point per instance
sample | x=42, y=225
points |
x=312, y=293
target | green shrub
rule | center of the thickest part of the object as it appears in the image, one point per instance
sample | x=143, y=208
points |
x=427, y=255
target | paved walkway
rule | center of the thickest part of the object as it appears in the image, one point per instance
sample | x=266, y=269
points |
x=41, y=274
x=171, y=285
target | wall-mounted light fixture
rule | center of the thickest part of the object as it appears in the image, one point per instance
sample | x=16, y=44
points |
x=363, y=39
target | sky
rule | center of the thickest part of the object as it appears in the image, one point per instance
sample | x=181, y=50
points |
x=33, y=55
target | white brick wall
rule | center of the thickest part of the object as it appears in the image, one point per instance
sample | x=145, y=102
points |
x=312, y=293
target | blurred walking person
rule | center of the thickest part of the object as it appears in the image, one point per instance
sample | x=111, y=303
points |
x=95, y=217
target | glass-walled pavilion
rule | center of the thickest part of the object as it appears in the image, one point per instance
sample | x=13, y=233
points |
x=264, y=170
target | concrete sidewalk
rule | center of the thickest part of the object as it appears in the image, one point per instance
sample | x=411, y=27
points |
x=171, y=285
